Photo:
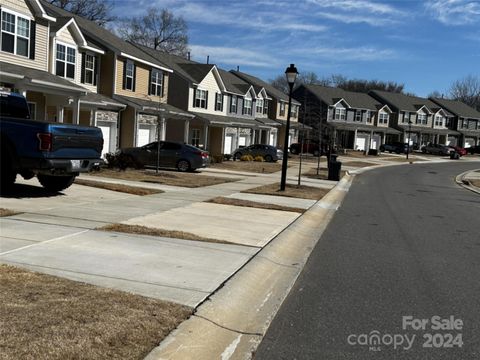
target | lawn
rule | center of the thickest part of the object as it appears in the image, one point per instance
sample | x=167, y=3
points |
x=322, y=174
x=46, y=317
x=247, y=203
x=249, y=166
x=191, y=180
x=7, y=212
x=302, y=191
x=134, y=190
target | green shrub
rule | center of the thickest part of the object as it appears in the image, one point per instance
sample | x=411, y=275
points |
x=259, y=158
x=246, y=158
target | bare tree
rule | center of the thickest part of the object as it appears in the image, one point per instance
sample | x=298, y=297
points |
x=98, y=11
x=303, y=78
x=467, y=90
x=364, y=86
x=159, y=29
x=435, y=94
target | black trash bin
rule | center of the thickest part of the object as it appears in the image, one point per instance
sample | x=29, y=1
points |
x=454, y=155
x=334, y=168
x=373, y=152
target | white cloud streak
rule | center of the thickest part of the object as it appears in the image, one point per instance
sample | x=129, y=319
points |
x=232, y=56
x=345, y=54
x=454, y=12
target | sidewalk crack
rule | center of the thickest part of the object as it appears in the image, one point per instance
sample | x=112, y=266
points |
x=227, y=328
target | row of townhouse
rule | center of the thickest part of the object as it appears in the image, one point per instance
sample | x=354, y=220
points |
x=72, y=70
x=360, y=121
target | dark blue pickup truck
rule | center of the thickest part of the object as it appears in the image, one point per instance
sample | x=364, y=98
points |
x=56, y=153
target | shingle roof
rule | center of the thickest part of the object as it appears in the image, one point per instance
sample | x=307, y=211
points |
x=404, y=102
x=197, y=71
x=233, y=83
x=331, y=96
x=100, y=35
x=457, y=107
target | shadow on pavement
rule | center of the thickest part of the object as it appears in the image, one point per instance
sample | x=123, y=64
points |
x=18, y=191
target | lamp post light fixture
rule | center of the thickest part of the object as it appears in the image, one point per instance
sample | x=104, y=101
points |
x=291, y=74
x=409, y=135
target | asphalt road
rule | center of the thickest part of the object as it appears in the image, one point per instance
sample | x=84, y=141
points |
x=403, y=249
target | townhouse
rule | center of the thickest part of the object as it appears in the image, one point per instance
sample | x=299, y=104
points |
x=345, y=119
x=466, y=121
x=275, y=111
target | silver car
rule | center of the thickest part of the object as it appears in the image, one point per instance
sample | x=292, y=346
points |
x=170, y=154
x=268, y=152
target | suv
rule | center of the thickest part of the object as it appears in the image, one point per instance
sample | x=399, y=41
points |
x=268, y=152
x=396, y=147
x=308, y=147
x=437, y=149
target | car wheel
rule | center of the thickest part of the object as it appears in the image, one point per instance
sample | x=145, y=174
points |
x=293, y=151
x=237, y=156
x=55, y=183
x=183, y=165
x=268, y=158
x=7, y=174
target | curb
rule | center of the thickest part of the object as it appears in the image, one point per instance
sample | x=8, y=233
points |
x=461, y=181
x=231, y=323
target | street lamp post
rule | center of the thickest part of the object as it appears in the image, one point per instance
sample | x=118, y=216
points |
x=409, y=135
x=291, y=74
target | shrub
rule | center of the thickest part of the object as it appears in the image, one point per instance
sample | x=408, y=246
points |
x=121, y=161
x=227, y=157
x=259, y=158
x=216, y=159
x=246, y=158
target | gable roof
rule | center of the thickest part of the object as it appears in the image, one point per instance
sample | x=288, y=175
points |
x=40, y=10
x=258, y=83
x=356, y=100
x=197, y=71
x=105, y=37
x=404, y=102
x=457, y=107
x=233, y=83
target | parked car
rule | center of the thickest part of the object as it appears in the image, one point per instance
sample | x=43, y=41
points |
x=473, y=149
x=182, y=157
x=459, y=150
x=395, y=147
x=308, y=147
x=436, y=149
x=268, y=152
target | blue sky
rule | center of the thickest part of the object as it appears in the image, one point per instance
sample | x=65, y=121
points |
x=424, y=44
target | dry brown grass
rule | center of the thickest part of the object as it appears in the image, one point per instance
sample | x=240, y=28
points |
x=359, y=164
x=118, y=187
x=475, y=182
x=322, y=174
x=7, y=212
x=249, y=166
x=46, y=317
x=359, y=154
x=247, y=203
x=302, y=191
x=143, y=230
x=190, y=180
x=411, y=158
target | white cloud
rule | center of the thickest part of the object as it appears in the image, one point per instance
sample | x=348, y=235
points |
x=231, y=56
x=363, y=53
x=357, y=5
x=454, y=12
x=356, y=19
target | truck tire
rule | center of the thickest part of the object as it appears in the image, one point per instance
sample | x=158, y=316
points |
x=56, y=183
x=7, y=174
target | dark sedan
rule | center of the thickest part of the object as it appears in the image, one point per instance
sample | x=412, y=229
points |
x=395, y=147
x=268, y=152
x=175, y=155
x=437, y=149
x=473, y=149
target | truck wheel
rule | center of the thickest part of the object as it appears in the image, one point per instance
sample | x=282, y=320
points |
x=7, y=174
x=56, y=183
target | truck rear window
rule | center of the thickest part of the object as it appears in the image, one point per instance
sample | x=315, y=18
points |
x=13, y=106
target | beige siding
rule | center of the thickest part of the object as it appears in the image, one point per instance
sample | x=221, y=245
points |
x=18, y=6
x=210, y=84
x=65, y=36
x=141, y=83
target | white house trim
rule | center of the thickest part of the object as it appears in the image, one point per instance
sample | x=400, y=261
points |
x=76, y=30
x=145, y=62
x=339, y=101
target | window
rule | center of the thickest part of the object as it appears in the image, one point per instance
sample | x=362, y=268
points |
x=368, y=117
x=15, y=34
x=282, y=109
x=358, y=115
x=89, y=69
x=294, y=111
x=200, y=99
x=218, y=102
x=196, y=137
x=383, y=118
x=266, y=107
x=259, y=106
x=156, y=82
x=406, y=117
x=340, y=114
x=65, y=61
x=129, y=75
x=439, y=120
x=422, y=119
x=233, y=104
x=247, y=106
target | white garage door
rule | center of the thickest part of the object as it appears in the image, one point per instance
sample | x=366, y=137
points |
x=106, y=139
x=242, y=141
x=375, y=142
x=360, y=143
x=469, y=142
x=143, y=136
x=227, y=147
x=272, y=139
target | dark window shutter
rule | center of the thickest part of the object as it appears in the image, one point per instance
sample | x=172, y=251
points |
x=124, y=83
x=206, y=99
x=243, y=106
x=95, y=70
x=83, y=69
x=163, y=84
x=32, y=39
x=194, y=96
x=134, y=76
x=221, y=101
x=150, y=82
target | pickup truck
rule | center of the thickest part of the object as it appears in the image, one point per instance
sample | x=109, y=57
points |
x=54, y=152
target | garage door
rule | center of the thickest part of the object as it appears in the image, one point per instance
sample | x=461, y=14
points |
x=143, y=136
x=360, y=143
x=106, y=139
x=242, y=141
x=272, y=139
x=375, y=142
x=227, y=148
x=469, y=142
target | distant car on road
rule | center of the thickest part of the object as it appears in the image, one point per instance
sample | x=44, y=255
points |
x=473, y=149
x=395, y=147
x=268, y=152
x=308, y=147
x=459, y=150
x=175, y=155
x=436, y=149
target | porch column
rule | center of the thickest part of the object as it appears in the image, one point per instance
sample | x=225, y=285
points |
x=446, y=139
x=222, y=150
x=185, y=131
x=237, y=138
x=269, y=132
x=60, y=112
x=163, y=129
x=76, y=111
x=93, y=117
x=370, y=142
x=205, y=137
x=355, y=139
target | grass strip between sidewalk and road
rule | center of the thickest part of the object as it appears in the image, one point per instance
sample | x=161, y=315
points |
x=134, y=190
x=475, y=182
x=7, y=212
x=143, y=230
x=302, y=191
x=322, y=174
x=173, y=178
x=254, y=204
x=47, y=317
x=249, y=166
x=358, y=164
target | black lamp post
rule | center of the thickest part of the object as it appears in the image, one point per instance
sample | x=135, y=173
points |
x=409, y=135
x=291, y=74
